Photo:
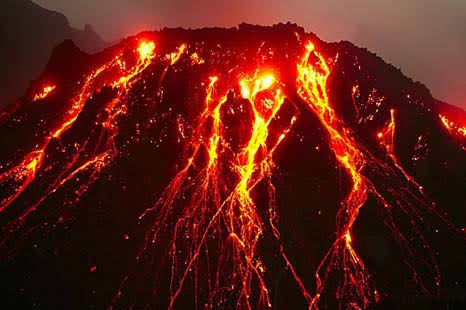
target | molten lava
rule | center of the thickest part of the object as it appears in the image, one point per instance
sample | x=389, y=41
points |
x=452, y=127
x=312, y=87
x=44, y=93
x=25, y=172
x=213, y=221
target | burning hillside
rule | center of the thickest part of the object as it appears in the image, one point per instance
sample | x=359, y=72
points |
x=257, y=167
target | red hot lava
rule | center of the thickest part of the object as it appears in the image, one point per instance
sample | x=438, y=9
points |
x=212, y=201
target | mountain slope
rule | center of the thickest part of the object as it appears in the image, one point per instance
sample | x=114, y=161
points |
x=29, y=33
x=250, y=167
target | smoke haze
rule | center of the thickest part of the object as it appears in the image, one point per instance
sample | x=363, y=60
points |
x=425, y=38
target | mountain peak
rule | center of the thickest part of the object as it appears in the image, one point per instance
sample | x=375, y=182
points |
x=24, y=24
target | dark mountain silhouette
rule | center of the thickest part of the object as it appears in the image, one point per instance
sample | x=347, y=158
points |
x=29, y=33
x=231, y=168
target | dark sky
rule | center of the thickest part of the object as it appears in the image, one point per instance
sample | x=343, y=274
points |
x=425, y=38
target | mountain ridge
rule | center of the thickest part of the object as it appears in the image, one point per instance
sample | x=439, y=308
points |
x=30, y=32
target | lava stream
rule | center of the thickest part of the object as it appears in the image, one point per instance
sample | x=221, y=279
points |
x=25, y=172
x=387, y=139
x=356, y=287
x=212, y=208
x=210, y=218
x=46, y=91
x=312, y=87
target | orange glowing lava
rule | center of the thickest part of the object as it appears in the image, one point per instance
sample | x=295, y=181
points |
x=218, y=210
x=312, y=87
x=146, y=50
x=452, y=127
x=213, y=192
x=26, y=172
x=233, y=212
x=46, y=91
x=196, y=59
x=175, y=56
x=387, y=138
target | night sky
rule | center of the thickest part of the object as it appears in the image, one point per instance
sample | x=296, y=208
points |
x=425, y=38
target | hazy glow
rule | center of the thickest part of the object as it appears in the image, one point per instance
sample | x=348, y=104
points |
x=402, y=32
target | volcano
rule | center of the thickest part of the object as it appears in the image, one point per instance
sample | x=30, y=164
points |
x=250, y=168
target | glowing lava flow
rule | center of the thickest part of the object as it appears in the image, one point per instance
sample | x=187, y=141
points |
x=209, y=205
x=456, y=130
x=217, y=216
x=387, y=135
x=245, y=225
x=206, y=190
x=356, y=287
x=452, y=127
x=213, y=209
x=196, y=59
x=387, y=139
x=312, y=87
x=44, y=93
x=25, y=172
x=175, y=56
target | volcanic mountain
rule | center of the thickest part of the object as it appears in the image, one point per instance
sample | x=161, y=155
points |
x=29, y=33
x=252, y=167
